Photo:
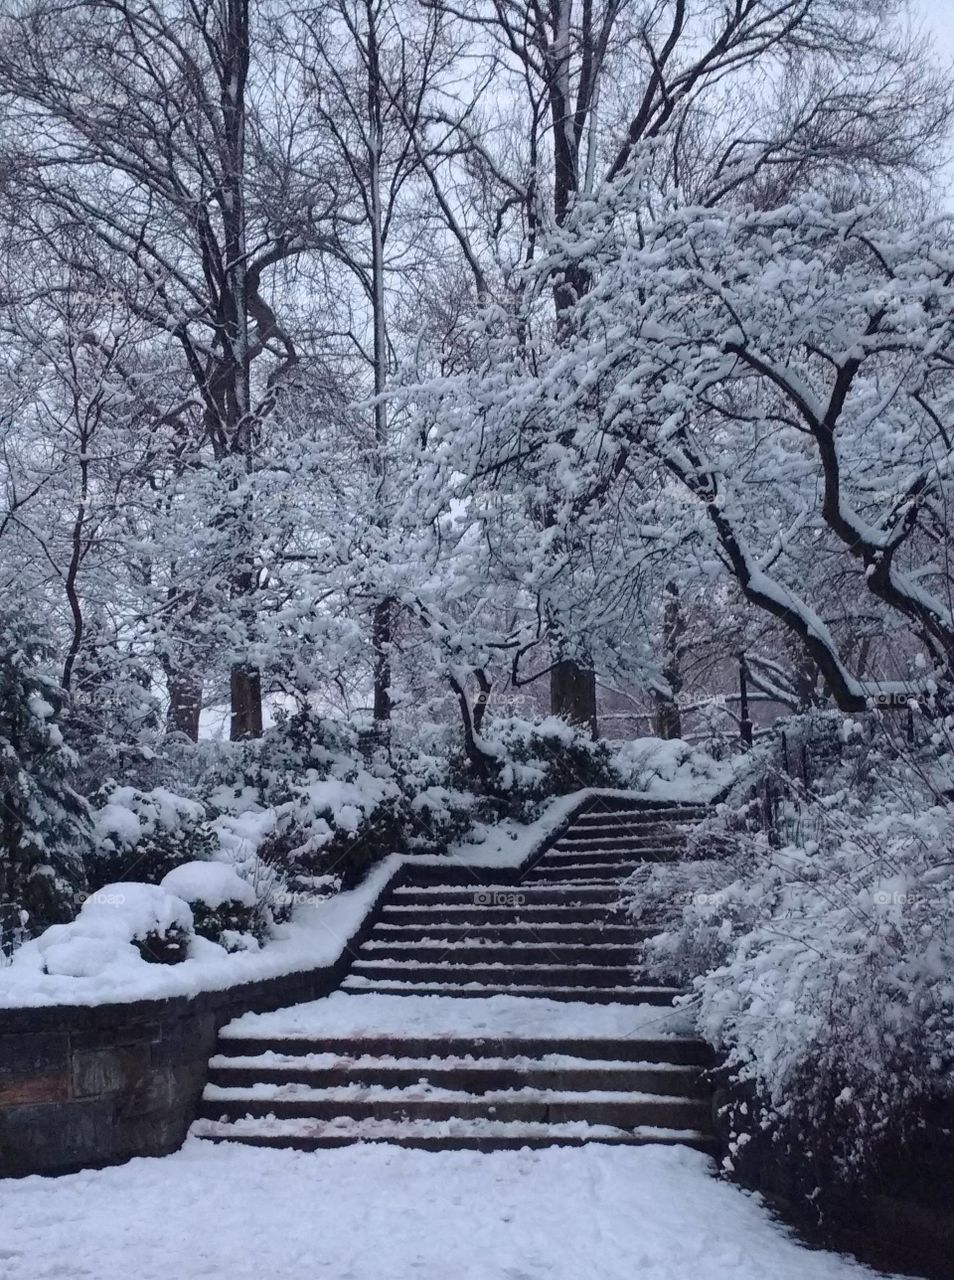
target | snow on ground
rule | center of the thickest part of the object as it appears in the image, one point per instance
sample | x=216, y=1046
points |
x=357, y=1058
x=340, y=1015
x=377, y=1212
x=509, y=843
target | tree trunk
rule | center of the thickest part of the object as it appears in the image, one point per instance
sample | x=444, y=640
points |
x=381, y=639
x=185, y=701
x=246, y=683
x=668, y=717
x=572, y=686
x=573, y=694
x=184, y=683
x=382, y=625
x=483, y=764
x=246, y=691
x=806, y=681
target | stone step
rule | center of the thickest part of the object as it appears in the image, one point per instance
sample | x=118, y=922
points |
x=594, y=873
x=597, y=874
x=545, y=914
x=613, y=846
x=557, y=935
x=668, y=820
x=480, y=1135
x=511, y=898
x=664, y=824
x=468, y=1073
x=648, y=835
x=354, y=984
x=540, y=974
x=456, y=953
x=677, y=836
x=619, y=1110
x=662, y=831
x=441, y=932
x=618, y=849
x=681, y=1050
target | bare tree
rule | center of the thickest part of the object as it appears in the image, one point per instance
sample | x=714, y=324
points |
x=373, y=66
x=149, y=124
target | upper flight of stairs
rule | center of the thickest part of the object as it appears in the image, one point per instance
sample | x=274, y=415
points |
x=557, y=934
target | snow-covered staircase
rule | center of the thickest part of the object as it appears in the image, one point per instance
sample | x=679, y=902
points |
x=557, y=935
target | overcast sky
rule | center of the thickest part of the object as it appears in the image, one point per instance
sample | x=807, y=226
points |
x=939, y=18
x=939, y=15
x=939, y=22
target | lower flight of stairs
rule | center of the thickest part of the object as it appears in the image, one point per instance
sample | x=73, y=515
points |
x=440, y=1093
x=557, y=934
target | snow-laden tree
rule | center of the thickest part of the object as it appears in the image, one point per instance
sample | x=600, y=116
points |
x=790, y=369
x=45, y=828
x=750, y=100
x=225, y=226
x=369, y=68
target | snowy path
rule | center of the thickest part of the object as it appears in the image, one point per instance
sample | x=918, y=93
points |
x=382, y=1213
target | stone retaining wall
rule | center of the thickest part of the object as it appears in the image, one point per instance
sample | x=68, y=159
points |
x=84, y=1086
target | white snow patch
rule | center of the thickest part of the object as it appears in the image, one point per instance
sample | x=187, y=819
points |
x=211, y=883
x=341, y=1016
x=670, y=769
x=368, y=1212
x=100, y=940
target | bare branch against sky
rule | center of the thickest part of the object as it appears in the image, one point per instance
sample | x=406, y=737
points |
x=938, y=16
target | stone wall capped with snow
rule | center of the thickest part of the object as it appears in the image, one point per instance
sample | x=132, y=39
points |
x=82, y=1086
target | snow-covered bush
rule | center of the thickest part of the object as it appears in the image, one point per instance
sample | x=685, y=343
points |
x=153, y=835
x=142, y=835
x=538, y=760
x=437, y=809
x=822, y=960
x=437, y=817
x=302, y=802
x=340, y=826
x=45, y=830
x=118, y=926
x=224, y=906
x=340, y=802
x=645, y=763
x=244, y=834
x=301, y=744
